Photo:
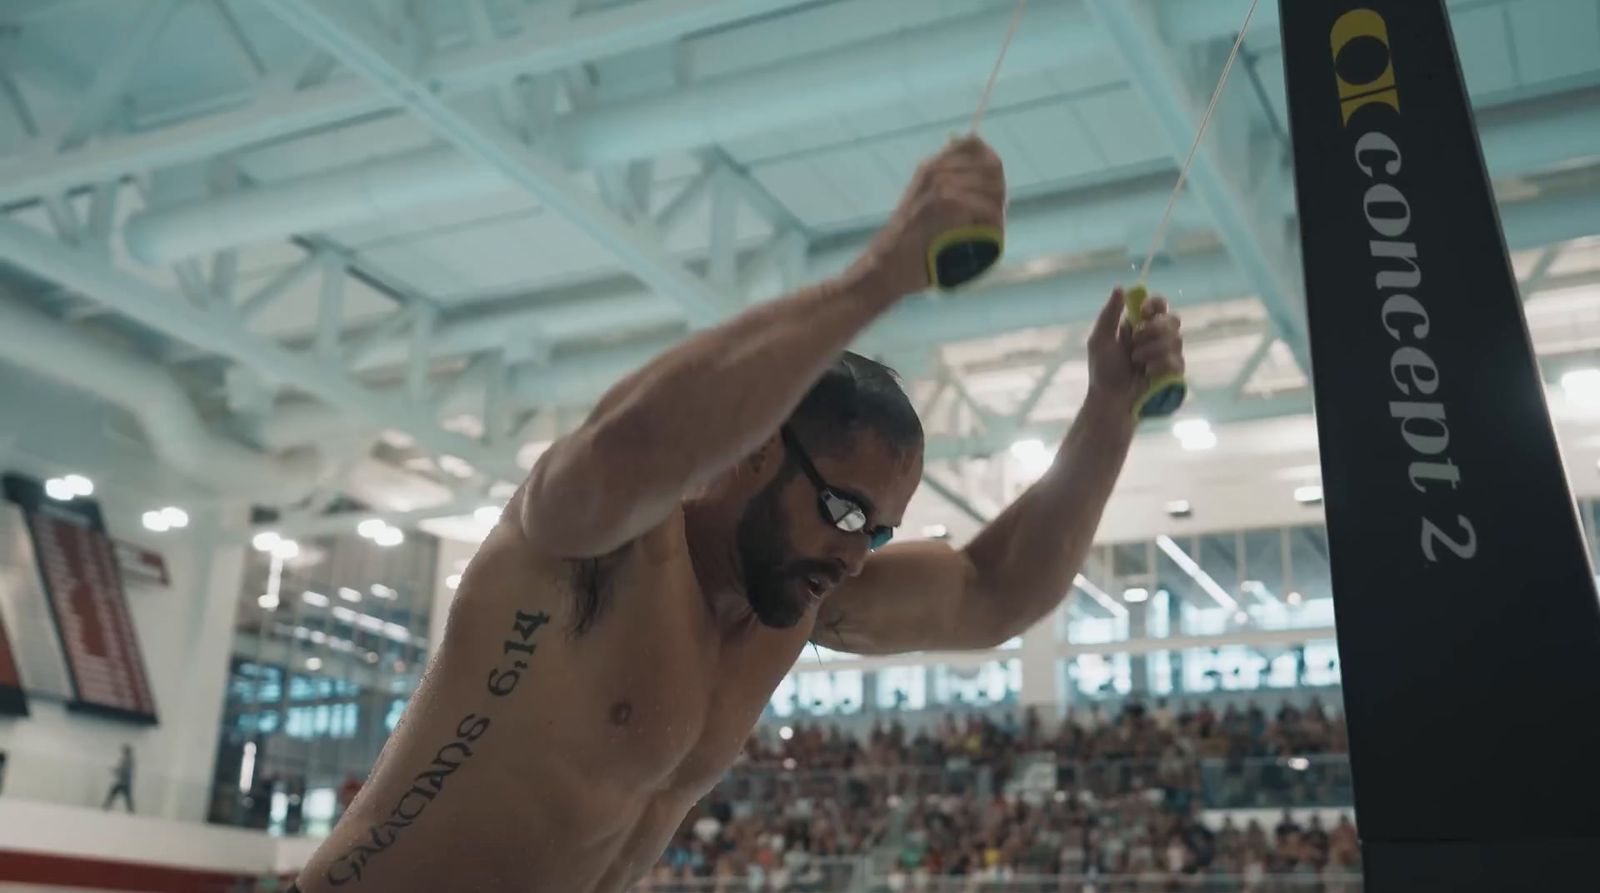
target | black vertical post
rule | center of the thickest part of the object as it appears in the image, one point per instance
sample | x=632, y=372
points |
x=1469, y=627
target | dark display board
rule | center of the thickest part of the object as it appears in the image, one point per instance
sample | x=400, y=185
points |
x=1469, y=627
x=82, y=584
x=12, y=701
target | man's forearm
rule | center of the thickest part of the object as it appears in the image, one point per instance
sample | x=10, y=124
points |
x=1027, y=558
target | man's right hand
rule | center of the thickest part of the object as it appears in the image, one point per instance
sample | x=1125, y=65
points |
x=963, y=185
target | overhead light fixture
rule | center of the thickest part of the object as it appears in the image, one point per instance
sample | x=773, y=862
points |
x=389, y=537
x=453, y=581
x=936, y=532
x=78, y=485
x=163, y=520
x=1194, y=434
x=1294, y=598
x=382, y=591
x=265, y=541
x=371, y=527
x=58, y=489
x=1032, y=456
x=1199, y=576
x=348, y=594
x=313, y=663
x=487, y=516
x=1241, y=616
x=1135, y=595
x=247, y=767
x=315, y=599
x=1310, y=494
x=285, y=549
x=1299, y=764
x=267, y=601
x=1582, y=387
x=456, y=466
x=1180, y=508
x=786, y=733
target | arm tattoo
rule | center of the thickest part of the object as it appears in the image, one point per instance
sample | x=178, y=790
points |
x=427, y=784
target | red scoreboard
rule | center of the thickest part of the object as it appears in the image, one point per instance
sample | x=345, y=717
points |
x=83, y=586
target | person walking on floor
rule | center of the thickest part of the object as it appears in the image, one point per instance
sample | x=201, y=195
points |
x=122, y=780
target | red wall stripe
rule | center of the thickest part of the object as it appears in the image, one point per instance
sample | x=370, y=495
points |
x=49, y=870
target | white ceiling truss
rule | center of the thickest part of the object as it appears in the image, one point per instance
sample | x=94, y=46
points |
x=427, y=234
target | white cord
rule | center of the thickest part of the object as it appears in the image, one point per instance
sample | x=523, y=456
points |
x=994, y=74
x=1205, y=120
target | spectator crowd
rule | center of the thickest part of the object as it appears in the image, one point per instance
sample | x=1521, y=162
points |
x=998, y=802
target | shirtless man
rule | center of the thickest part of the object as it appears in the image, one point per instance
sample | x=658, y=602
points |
x=616, y=637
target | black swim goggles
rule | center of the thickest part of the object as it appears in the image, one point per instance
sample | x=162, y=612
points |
x=839, y=508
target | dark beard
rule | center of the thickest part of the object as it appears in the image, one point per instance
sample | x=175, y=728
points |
x=761, y=537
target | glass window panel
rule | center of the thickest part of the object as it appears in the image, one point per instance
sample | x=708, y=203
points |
x=1218, y=555
x=993, y=682
x=1100, y=675
x=782, y=701
x=902, y=688
x=1159, y=669
x=1199, y=670
x=1263, y=563
x=1096, y=630
x=1283, y=671
x=1322, y=663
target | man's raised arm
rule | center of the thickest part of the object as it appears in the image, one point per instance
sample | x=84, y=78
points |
x=924, y=596
x=694, y=411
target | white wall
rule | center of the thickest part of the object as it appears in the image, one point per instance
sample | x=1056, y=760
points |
x=184, y=630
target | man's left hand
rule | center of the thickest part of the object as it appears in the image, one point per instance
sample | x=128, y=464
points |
x=1124, y=359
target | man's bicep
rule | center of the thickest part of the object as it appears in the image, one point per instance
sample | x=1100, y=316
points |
x=909, y=597
x=589, y=495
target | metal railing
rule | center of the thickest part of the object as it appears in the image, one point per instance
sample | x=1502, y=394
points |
x=815, y=875
x=1249, y=783
x=1146, y=882
x=875, y=784
x=1278, y=783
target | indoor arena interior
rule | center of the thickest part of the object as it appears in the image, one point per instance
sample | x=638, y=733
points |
x=799, y=446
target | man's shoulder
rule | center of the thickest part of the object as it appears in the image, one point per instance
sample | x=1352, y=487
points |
x=663, y=543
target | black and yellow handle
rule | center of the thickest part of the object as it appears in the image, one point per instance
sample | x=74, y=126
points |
x=1166, y=392
x=961, y=255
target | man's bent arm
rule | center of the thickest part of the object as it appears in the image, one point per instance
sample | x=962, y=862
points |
x=923, y=596
x=698, y=408
x=1028, y=557
x=929, y=595
x=671, y=427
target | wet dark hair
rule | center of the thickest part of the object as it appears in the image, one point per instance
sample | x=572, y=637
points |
x=856, y=394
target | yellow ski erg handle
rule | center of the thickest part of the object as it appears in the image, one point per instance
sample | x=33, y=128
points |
x=1166, y=392
x=963, y=254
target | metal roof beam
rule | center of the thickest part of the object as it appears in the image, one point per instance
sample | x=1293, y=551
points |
x=546, y=180
x=274, y=114
x=216, y=328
